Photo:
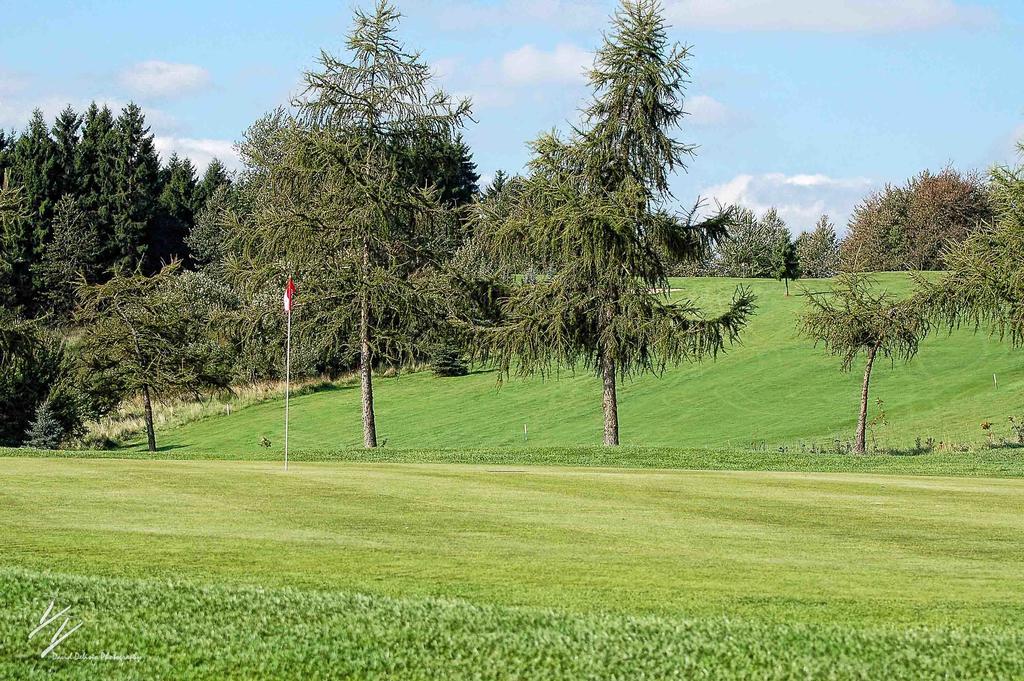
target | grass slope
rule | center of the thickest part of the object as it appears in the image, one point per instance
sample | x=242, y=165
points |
x=221, y=569
x=775, y=388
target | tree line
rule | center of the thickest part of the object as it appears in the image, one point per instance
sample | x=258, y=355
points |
x=363, y=190
x=897, y=228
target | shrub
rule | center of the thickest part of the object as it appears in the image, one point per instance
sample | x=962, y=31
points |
x=447, y=361
x=46, y=431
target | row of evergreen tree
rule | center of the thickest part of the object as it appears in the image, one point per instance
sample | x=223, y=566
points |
x=97, y=199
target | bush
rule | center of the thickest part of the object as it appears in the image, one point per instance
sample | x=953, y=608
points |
x=447, y=361
x=46, y=431
x=35, y=368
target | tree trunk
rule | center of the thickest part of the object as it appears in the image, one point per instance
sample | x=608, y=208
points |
x=150, y=432
x=366, y=361
x=786, y=279
x=610, y=402
x=862, y=422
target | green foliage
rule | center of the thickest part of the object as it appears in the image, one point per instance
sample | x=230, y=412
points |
x=787, y=265
x=45, y=431
x=755, y=247
x=447, y=360
x=215, y=178
x=66, y=139
x=592, y=212
x=986, y=280
x=176, y=212
x=907, y=227
x=35, y=369
x=818, y=250
x=854, y=317
x=136, y=190
x=68, y=257
x=15, y=246
x=35, y=168
x=207, y=241
x=144, y=334
x=97, y=153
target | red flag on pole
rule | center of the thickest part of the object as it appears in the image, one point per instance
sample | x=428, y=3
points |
x=289, y=293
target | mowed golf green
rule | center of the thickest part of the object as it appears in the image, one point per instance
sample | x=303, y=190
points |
x=218, y=569
x=775, y=388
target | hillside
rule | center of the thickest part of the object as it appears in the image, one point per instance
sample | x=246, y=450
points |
x=775, y=389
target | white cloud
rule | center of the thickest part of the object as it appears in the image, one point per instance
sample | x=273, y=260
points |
x=828, y=15
x=199, y=151
x=800, y=199
x=566, y=63
x=706, y=110
x=164, y=79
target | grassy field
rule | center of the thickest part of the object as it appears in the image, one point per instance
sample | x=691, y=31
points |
x=728, y=540
x=220, y=569
x=775, y=388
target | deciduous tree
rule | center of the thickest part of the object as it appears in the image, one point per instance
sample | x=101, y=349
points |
x=856, y=318
x=138, y=331
x=985, y=284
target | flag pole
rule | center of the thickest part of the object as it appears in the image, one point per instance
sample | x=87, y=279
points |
x=287, y=380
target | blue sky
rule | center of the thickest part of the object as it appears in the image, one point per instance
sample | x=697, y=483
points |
x=802, y=104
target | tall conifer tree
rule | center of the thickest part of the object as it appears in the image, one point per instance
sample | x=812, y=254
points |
x=136, y=188
x=36, y=171
x=342, y=204
x=176, y=214
x=66, y=137
x=15, y=245
x=95, y=173
x=214, y=177
x=594, y=212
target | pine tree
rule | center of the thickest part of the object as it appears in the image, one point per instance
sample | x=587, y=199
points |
x=818, y=250
x=46, y=430
x=343, y=201
x=207, y=240
x=176, y=213
x=593, y=211
x=36, y=170
x=95, y=167
x=66, y=139
x=215, y=177
x=15, y=245
x=69, y=257
x=787, y=267
x=6, y=146
x=496, y=185
x=136, y=189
